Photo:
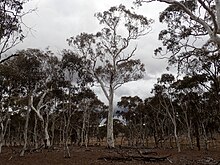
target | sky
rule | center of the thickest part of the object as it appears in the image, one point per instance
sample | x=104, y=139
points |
x=54, y=21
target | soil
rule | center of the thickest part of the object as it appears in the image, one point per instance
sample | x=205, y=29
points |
x=97, y=155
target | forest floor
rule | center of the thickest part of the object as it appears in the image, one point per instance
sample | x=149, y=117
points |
x=97, y=155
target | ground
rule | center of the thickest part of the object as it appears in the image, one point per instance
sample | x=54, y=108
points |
x=97, y=155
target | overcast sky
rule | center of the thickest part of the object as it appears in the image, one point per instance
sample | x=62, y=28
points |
x=56, y=20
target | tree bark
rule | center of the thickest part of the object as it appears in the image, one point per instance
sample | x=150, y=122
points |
x=82, y=138
x=176, y=137
x=188, y=125
x=1, y=137
x=46, y=134
x=35, y=132
x=52, y=130
x=26, y=129
x=110, y=135
x=65, y=136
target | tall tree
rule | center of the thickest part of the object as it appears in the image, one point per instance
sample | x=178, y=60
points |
x=192, y=41
x=166, y=99
x=106, y=57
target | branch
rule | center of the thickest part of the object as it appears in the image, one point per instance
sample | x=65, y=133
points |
x=211, y=14
x=36, y=110
x=7, y=58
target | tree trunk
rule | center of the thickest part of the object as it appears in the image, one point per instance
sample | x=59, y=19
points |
x=110, y=135
x=189, y=138
x=1, y=137
x=205, y=137
x=3, y=129
x=65, y=136
x=87, y=130
x=82, y=137
x=1, y=144
x=188, y=125
x=35, y=132
x=26, y=131
x=46, y=134
x=176, y=137
x=197, y=135
x=52, y=131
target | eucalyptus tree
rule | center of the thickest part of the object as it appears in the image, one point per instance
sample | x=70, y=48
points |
x=191, y=40
x=8, y=96
x=25, y=72
x=187, y=19
x=166, y=99
x=88, y=103
x=106, y=57
x=11, y=32
x=51, y=79
x=157, y=120
x=77, y=81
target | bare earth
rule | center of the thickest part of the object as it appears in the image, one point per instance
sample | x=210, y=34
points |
x=119, y=156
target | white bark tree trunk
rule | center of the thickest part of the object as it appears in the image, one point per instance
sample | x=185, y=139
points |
x=176, y=136
x=46, y=134
x=44, y=122
x=110, y=135
x=35, y=132
x=172, y=116
x=26, y=132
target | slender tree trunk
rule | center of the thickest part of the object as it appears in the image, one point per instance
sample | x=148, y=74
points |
x=35, y=132
x=26, y=130
x=197, y=135
x=87, y=130
x=82, y=137
x=176, y=137
x=205, y=137
x=1, y=144
x=3, y=129
x=46, y=134
x=188, y=125
x=1, y=137
x=52, y=131
x=86, y=138
x=65, y=136
x=110, y=135
x=173, y=119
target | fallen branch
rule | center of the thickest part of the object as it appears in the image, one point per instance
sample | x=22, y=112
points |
x=137, y=158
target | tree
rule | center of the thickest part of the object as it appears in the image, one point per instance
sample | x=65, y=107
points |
x=192, y=33
x=11, y=13
x=191, y=41
x=189, y=19
x=8, y=96
x=166, y=99
x=22, y=71
x=51, y=78
x=105, y=54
